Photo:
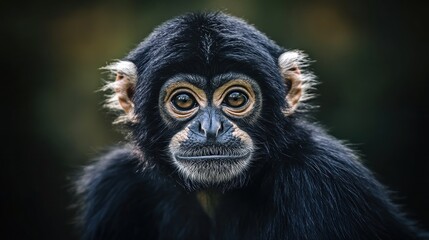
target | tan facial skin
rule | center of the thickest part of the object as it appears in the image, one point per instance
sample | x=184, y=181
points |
x=236, y=98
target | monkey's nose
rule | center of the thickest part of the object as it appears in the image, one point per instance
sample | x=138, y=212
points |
x=211, y=126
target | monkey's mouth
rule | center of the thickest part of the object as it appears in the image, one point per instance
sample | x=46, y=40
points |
x=212, y=166
x=220, y=157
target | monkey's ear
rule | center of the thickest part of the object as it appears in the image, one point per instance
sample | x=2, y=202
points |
x=122, y=89
x=298, y=81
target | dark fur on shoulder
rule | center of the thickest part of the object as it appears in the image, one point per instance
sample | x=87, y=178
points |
x=302, y=183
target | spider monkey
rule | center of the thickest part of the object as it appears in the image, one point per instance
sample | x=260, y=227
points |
x=219, y=147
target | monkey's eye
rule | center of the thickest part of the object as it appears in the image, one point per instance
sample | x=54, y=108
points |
x=183, y=101
x=236, y=99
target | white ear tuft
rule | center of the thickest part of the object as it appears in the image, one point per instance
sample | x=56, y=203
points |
x=300, y=81
x=121, y=89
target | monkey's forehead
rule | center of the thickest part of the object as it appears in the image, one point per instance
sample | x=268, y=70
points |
x=206, y=39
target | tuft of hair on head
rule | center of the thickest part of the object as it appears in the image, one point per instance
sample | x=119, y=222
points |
x=120, y=88
x=299, y=80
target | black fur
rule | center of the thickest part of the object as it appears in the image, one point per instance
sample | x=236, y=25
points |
x=303, y=184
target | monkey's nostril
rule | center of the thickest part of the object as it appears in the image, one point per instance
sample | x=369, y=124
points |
x=201, y=129
x=220, y=130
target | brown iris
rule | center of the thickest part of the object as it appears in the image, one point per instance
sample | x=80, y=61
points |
x=236, y=99
x=183, y=101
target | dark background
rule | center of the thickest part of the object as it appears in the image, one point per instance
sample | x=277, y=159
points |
x=371, y=57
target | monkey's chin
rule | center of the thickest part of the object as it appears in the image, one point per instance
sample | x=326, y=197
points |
x=212, y=169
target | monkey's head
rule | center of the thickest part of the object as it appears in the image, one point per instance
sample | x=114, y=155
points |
x=206, y=96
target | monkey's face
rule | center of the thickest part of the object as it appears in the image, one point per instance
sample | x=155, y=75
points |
x=210, y=127
x=210, y=147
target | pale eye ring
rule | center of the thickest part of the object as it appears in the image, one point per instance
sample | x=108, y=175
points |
x=183, y=101
x=236, y=99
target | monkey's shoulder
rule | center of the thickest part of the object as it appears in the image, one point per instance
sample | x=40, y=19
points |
x=119, y=169
x=116, y=197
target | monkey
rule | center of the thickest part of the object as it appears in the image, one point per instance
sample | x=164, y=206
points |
x=219, y=146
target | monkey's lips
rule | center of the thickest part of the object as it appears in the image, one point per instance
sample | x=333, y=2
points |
x=217, y=158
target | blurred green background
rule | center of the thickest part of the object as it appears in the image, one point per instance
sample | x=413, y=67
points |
x=371, y=57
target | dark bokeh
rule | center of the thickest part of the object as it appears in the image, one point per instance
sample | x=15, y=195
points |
x=372, y=60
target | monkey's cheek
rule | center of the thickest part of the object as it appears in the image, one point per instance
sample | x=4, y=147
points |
x=212, y=170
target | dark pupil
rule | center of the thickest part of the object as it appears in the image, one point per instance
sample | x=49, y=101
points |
x=183, y=101
x=236, y=99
